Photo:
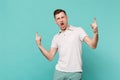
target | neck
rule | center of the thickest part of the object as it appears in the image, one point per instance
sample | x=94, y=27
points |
x=67, y=27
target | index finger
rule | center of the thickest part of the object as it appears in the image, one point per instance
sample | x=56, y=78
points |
x=36, y=34
x=95, y=20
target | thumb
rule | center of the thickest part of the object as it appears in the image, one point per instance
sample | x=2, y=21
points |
x=40, y=37
x=91, y=25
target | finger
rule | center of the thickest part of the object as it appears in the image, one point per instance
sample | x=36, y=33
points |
x=40, y=37
x=36, y=34
x=95, y=20
x=91, y=25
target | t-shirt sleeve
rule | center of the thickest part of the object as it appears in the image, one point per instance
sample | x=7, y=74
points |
x=82, y=33
x=54, y=42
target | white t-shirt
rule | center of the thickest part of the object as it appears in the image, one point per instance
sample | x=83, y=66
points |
x=69, y=44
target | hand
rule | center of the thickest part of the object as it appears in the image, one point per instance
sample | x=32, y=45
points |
x=38, y=39
x=94, y=26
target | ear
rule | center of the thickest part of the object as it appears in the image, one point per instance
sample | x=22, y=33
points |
x=67, y=17
x=55, y=21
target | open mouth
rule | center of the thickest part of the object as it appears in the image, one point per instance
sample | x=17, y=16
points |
x=61, y=24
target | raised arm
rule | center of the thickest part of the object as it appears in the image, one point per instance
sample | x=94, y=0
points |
x=92, y=42
x=48, y=54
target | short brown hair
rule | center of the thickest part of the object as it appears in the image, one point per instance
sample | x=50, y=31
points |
x=57, y=11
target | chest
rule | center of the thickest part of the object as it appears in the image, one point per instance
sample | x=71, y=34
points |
x=68, y=38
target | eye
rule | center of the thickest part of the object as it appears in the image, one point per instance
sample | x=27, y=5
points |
x=57, y=18
x=62, y=17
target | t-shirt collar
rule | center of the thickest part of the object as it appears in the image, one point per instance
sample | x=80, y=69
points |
x=69, y=28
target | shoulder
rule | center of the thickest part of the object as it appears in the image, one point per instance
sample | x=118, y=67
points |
x=56, y=35
x=76, y=28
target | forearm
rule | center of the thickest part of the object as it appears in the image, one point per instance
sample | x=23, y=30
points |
x=44, y=51
x=92, y=42
x=95, y=40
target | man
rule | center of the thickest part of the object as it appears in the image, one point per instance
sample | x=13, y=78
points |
x=68, y=42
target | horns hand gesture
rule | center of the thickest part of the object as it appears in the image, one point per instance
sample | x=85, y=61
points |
x=38, y=39
x=94, y=26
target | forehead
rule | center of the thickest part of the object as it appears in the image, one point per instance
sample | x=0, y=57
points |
x=60, y=14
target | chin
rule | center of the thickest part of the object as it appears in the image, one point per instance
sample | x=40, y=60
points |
x=64, y=28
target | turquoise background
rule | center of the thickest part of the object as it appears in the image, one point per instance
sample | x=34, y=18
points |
x=20, y=59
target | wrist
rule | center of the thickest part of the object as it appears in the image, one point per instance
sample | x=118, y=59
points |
x=39, y=45
x=96, y=33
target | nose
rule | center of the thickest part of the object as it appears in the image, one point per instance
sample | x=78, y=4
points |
x=61, y=20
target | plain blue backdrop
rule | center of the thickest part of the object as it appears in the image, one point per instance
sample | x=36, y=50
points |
x=20, y=59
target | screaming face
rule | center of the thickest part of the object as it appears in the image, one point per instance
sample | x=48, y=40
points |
x=61, y=20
